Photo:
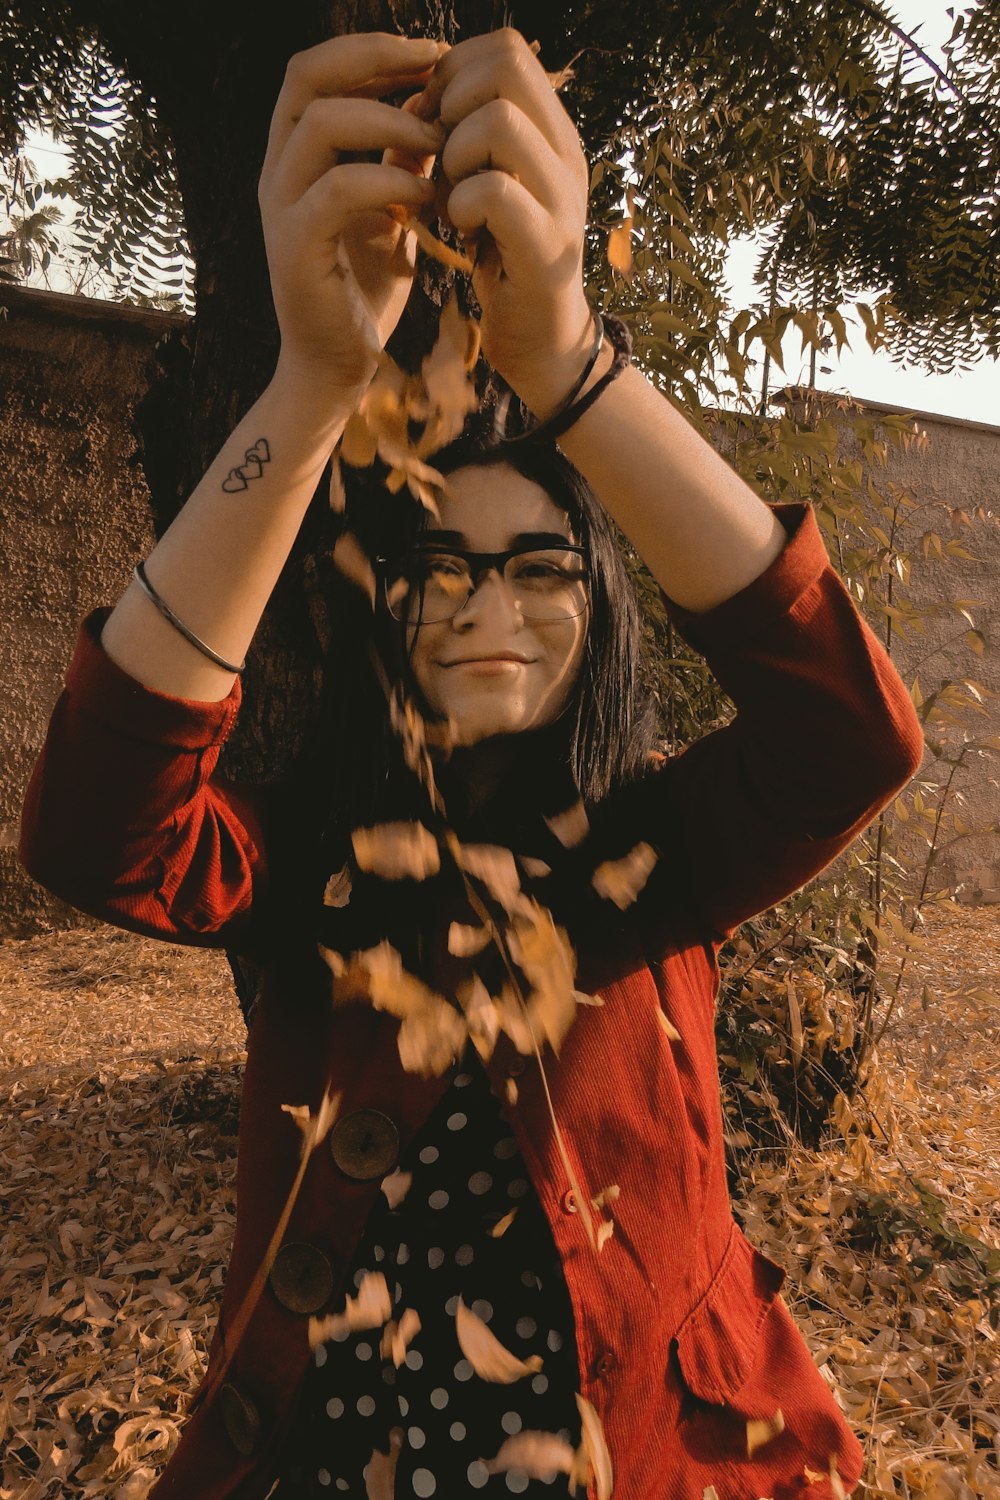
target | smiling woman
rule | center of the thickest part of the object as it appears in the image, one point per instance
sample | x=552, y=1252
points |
x=484, y=1236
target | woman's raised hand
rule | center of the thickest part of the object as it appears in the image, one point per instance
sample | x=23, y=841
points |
x=341, y=265
x=519, y=172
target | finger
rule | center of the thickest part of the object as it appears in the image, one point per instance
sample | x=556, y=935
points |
x=498, y=136
x=331, y=126
x=504, y=67
x=523, y=231
x=354, y=187
x=360, y=61
x=414, y=161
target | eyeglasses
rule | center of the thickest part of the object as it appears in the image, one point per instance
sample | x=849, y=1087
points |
x=431, y=584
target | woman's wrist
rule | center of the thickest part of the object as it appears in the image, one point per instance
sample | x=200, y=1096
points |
x=546, y=389
x=313, y=393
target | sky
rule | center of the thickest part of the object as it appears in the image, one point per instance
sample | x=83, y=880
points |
x=974, y=394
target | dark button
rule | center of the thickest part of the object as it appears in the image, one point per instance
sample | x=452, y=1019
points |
x=606, y=1363
x=365, y=1144
x=240, y=1418
x=302, y=1278
x=569, y=1202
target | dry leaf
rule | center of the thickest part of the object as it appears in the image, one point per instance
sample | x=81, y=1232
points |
x=338, y=889
x=351, y=559
x=465, y=941
x=338, y=495
x=539, y=1454
x=594, y=1458
x=668, y=1025
x=761, y=1432
x=397, y=851
x=572, y=826
x=502, y=1225
x=369, y=1309
x=621, y=880
x=396, y=1186
x=397, y=1337
x=494, y=866
x=484, y=1351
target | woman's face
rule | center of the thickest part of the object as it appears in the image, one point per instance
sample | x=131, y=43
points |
x=488, y=669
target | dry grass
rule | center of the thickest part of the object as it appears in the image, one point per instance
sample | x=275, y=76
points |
x=123, y=1059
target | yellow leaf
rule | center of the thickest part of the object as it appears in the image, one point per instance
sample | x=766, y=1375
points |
x=502, y=1225
x=380, y=1479
x=369, y=1309
x=620, y=249
x=464, y=941
x=539, y=1454
x=572, y=826
x=396, y=1338
x=668, y=1026
x=396, y=1186
x=594, y=1449
x=350, y=558
x=484, y=1351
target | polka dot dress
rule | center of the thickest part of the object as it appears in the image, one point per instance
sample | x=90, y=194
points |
x=432, y=1249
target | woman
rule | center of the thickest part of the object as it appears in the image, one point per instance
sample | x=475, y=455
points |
x=672, y=1331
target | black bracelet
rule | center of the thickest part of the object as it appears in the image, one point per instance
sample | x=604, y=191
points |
x=567, y=413
x=139, y=574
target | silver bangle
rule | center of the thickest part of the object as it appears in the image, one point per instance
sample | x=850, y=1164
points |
x=139, y=574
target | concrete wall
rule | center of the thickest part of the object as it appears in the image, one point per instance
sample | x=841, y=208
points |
x=74, y=518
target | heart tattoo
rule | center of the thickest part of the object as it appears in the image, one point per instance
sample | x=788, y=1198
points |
x=252, y=467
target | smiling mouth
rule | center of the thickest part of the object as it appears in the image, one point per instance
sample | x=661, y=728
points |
x=472, y=661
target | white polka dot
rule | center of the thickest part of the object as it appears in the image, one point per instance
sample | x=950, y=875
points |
x=461, y=1080
x=359, y=1277
x=526, y=1328
x=517, y=1481
x=389, y=1374
x=404, y=1406
x=457, y=1121
x=342, y=1484
x=398, y=1293
x=319, y=1355
x=517, y=1188
x=451, y=1306
x=402, y=1254
x=335, y=1407
x=414, y=1361
x=482, y=1309
x=340, y=1336
x=511, y=1422
x=480, y=1182
x=324, y=1476
x=463, y=1370
x=456, y=1431
x=366, y=1405
x=540, y=1384
x=435, y=1257
x=416, y=1436
x=378, y=1253
x=438, y=1199
x=554, y=1340
x=429, y=1154
x=464, y=1255
x=424, y=1482
x=363, y=1351
x=477, y=1474
x=528, y=1278
x=505, y=1149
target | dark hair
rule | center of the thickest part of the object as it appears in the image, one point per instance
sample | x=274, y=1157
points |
x=610, y=725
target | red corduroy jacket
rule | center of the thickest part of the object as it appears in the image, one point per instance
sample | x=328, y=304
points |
x=681, y=1331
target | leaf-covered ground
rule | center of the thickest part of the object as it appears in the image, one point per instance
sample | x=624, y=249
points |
x=121, y=1064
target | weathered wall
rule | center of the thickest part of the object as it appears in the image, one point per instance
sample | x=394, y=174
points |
x=74, y=519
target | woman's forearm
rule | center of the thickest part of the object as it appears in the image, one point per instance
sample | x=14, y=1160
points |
x=702, y=532
x=220, y=559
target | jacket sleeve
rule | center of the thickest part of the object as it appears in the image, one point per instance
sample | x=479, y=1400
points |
x=125, y=816
x=823, y=737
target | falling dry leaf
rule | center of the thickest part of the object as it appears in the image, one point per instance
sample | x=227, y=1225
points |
x=396, y=1186
x=464, y=941
x=502, y=1225
x=572, y=826
x=338, y=495
x=351, y=559
x=494, y=866
x=369, y=1309
x=397, y=851
x=338, y=889
x=621, y=880
x=485, y=1353
x=761, y=1432
x=596, y=1457
x=668, y=1026
x=397, y=1337
x=538, y=1454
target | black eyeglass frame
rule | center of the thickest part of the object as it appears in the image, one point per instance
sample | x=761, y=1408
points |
x=480, y=563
